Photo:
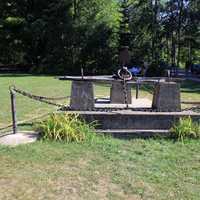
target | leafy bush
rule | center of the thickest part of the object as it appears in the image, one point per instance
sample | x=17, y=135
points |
x=185, y=128
x=65, y=127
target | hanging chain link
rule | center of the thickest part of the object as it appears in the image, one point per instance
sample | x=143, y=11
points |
x=125, y=75
x=47, y=100
x=125, y=93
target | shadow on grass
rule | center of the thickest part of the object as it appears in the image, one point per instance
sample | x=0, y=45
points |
x=127, y=137
x=12, y=75
x=190, y=85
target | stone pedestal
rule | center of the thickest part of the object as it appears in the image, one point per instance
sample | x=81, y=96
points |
x=167, y=97
x=82, y=96
x=117, y=95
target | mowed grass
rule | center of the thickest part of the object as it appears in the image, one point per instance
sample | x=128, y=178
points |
x=108, y=169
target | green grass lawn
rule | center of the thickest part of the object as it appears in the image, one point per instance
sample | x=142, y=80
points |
x=108, y=169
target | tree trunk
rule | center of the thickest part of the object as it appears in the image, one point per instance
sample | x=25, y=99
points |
x=155, y=49
x=173, y=52
x=180, y=7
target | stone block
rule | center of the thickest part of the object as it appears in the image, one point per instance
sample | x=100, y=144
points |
x=167, y=97
x=82, y=96
x=117, y=95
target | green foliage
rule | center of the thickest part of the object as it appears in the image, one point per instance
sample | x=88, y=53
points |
x=65, y=127
x=62, y=36
x=13, y=21
x=185, y=128
x=155, y=70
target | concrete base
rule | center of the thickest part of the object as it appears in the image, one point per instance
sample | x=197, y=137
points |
x=134, y=133
x=136, y=104
x=117, y=95
x=82, y=96
x=126, y=119
x=167, y=97
x=19, y=138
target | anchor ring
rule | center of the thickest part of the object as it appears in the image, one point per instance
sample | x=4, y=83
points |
x=124, y=74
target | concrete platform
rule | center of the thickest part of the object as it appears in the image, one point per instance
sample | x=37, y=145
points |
x=19, y=138
x=135, y=120
x=136, y=103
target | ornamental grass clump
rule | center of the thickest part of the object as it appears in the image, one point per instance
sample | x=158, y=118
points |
x=65, y=127
x=185, y=128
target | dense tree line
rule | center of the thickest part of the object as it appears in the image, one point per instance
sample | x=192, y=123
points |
x=166, y=30
x=64, y=36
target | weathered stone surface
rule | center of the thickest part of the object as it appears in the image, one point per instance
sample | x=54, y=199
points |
x=117, y=95
x=134, y=133
x=167, y=97
x=136, y=103
x=126, y=119
x=110, y=79
x=82, y=95
x=19, y=138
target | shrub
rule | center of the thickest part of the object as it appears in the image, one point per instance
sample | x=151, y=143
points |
x=185, y=128
x=65, y=127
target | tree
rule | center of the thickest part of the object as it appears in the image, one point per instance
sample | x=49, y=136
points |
x=63, y=36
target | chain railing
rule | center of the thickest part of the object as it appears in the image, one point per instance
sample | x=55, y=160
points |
x=43, y=99
x=4, y=130
x=195, y=106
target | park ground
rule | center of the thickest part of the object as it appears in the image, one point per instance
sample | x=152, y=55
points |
x=106, y=169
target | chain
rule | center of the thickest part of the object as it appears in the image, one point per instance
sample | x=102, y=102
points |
x=125, y=75
x=193, y=109
x=39, y=98
x=125, y=92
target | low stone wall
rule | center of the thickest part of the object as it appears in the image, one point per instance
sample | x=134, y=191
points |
x=135, y=120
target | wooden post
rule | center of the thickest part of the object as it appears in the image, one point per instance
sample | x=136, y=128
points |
x=82, y=73
x=137, y=90
x=13, y=109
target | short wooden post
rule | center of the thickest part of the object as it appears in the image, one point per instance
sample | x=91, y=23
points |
x=13, y=109
x=82, y=73
x=137, y=90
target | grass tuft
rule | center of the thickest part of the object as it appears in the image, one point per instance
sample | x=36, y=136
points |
x=65, y=127
x=185, y=128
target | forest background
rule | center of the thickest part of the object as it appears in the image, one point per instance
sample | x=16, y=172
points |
x=63, y=36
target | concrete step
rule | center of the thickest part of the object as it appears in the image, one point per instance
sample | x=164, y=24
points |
x=133, y=120
x=134, y=133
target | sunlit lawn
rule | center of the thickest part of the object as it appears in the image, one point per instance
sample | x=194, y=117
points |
x=110, y=169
